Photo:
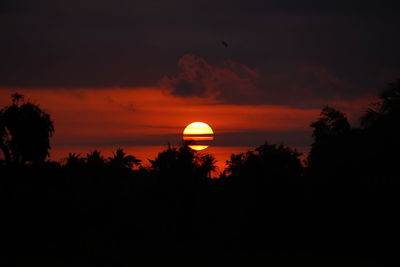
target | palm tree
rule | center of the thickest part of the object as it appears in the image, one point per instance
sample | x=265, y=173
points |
x=165, y=160
x=207, y=165
x=95, y=160
x=74, y=160
x=121, y=160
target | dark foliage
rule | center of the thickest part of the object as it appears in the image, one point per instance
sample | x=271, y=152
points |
x=334, y=152
x=381, y=130
x=93, y=211
x=268, y=163
x=25, y=131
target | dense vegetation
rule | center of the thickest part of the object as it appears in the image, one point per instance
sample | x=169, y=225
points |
x=89, y=209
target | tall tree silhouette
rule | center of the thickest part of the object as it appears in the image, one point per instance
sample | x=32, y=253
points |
x=255, y=180
x=99, y=205
x=25, y=131
x=181, y=173
x=121, y=160
x=334, y=154
x=380, y=124
x=207, y=165
x=384, y=112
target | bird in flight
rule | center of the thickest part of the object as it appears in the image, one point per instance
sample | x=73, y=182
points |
x=224, y=43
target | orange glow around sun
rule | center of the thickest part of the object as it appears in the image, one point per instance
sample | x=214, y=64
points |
x=199, y=133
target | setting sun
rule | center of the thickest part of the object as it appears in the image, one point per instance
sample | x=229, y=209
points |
x=200, y=134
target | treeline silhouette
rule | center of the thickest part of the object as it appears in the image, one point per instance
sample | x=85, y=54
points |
x=91, y=210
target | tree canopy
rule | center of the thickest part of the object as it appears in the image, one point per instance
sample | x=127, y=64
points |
x=25, y=131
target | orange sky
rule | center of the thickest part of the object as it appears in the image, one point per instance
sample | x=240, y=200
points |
x=108, y=118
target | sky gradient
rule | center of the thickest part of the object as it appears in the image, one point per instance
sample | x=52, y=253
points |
x=135, y=73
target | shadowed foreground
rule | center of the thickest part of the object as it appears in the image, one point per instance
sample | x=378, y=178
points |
x=115, y=217
x=267, y=208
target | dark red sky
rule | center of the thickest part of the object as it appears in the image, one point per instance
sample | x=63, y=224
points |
x=135, y=72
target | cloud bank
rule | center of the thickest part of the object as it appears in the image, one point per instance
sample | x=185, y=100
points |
x=196, y=77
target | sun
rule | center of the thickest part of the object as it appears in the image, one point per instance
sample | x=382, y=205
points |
x=200, y=134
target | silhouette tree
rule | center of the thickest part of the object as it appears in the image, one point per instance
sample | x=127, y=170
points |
x=330, y=124
x=74, y=161
x=183, y=161
x=269, y=163
x=380, y=125
x=384, y=112
x=25, y=131
x=165, y=161
x=174, y=161
x=207, y=165
x=332, y=153
x=122, y=161
x=181, y=175
x=260, y=203
x=95, y=160
x=234, y=165
x=255, y=180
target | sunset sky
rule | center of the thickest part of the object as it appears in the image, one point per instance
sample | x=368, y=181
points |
x=133, y=74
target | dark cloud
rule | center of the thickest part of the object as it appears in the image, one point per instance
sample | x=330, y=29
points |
x=347, y=46
x=302, y=86
x=159, y=7
x=295, y=138
x=305, y=86
x=196, y=77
